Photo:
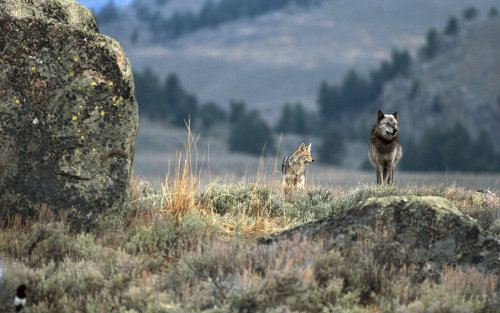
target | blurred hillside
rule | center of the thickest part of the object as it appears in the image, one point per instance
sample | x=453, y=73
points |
x=449, y=103
x=316, y=71
x=460, y=84
x=281, y=55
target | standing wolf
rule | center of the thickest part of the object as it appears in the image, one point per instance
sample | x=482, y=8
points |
x=293, y=169
x=385, y=150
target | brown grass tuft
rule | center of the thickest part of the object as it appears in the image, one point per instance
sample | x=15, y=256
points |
x=182, y=186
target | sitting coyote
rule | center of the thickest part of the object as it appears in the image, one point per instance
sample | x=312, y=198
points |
x=385, y=150
x=293, y=169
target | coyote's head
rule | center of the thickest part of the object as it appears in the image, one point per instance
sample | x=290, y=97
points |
x=303, y=154
x=387, y=125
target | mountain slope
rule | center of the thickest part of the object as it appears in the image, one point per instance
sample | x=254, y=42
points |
x=462, y=84
x=285, y=55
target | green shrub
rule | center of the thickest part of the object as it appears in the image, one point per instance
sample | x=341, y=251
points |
x=162, y=240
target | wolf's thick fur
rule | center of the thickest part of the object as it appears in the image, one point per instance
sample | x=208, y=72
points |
x=385, y=150
x=293, y=168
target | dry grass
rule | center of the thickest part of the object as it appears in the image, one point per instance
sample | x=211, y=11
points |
x=22, y=224
x=189, y=247
x=184, y=192
x=183, y=185
x=199, y=256
x=186, y=189
x=470, y=281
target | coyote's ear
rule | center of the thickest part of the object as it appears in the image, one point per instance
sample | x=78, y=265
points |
x=395, y=115
x=380, y=115
x=308, y=147
x=302, y=147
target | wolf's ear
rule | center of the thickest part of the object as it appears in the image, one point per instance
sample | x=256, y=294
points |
x=380, y=115
x=308, y=147
x=302, y=147
x=395, y=115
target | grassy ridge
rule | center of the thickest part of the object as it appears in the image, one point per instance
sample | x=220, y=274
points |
x=191, y=248
x=197, y=254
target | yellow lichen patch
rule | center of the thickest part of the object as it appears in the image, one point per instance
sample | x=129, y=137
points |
x=93, y=84
x=118, y=101
x=75, y=117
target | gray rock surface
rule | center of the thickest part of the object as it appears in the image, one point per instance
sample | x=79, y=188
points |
x=68, y=115
x=431, y=231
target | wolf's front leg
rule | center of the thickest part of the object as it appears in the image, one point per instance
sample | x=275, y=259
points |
x=380, y=175
x=390, y=180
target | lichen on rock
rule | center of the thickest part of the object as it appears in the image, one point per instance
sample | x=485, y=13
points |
x=68, y=115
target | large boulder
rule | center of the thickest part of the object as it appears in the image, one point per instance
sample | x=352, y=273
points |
x=431, y=231
x=68, y=115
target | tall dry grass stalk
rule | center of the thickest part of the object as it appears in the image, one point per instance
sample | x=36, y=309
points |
x=183, y=192
x=255, y=218
x=277, y=179
x=184, y=183
x=275, y=168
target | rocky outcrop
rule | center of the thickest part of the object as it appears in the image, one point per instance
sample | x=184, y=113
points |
x=68, y=116
x=431, y=231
